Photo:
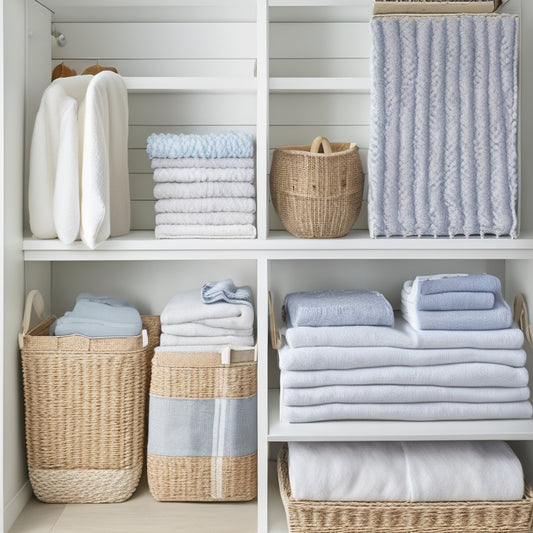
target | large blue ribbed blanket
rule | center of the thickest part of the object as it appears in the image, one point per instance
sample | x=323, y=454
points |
x=443, y=150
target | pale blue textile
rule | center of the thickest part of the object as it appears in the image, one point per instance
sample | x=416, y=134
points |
x=338, y=308
x=225, y=291
x=211, y=145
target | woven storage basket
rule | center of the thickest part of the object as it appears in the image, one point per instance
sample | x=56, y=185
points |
x=317, y=195
x=183, y=385
x=85, y=404
x=435, y=6
x=305, y=516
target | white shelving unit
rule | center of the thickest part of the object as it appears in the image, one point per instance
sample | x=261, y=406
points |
x=264, y=89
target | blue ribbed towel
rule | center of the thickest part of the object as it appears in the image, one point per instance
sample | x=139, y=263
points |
x=95, y=316
x=212, y=145
x=225, y=291
x=338, y=308
x=443, y=156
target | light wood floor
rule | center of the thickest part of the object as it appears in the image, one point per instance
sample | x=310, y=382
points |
x=140, y=514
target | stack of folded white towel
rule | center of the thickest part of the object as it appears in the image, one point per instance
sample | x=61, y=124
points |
x=337, y=364
x=204, y=185
x=210, y=319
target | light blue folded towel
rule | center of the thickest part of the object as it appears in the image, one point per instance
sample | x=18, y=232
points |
x=212, y=145
x=95, y=316
x=338, y=308
x=458, y=283
x=225, y=291
x=456, y=301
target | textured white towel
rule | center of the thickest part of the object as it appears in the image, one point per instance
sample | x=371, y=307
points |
x=53, y=190
x=105, y=197
x=336, y=358
x=208, y=189
x=232, y=340
x=198, y=231
x=188, y=175
x=205, y=205
x=405, y=471
x=402, y=335
x=455, y=375
x=187, y=307
x=193, y=329
x=406, y=411
x=203, y=162
x=210, y=219
x=401, y=394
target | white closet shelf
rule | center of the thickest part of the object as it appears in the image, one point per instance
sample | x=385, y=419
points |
x=332, y=85
x=197, y=84
x=320, y=3
x=370, y=430
x=142, y=245
x=56, y=5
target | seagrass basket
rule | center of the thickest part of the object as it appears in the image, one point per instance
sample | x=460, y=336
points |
x=84, y=402
x=382, y=7
x=305, y=516
x=316, y=194
x=202, y=427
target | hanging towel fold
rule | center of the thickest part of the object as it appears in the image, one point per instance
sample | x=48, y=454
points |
x=187, y=307
x=188, y=175
x=400, y=394
x=338, y=358
x=199, y=231
x=205, y=205
x=443, y=157
x=203, y=162
x=225, y=291
x=54, y=176
x=453, y=375
x=212, y=145
x=402, y=335
x=499, y=317
x=228, y=218
x=338, y=308
x=204, y=190
x=105, y=190
x=405, y=471
x=407, y=411
x=231, y=340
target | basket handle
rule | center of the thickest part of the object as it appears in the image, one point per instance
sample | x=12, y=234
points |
x=317, y=141
x=34, y=300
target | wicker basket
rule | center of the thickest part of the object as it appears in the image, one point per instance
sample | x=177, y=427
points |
x=317, y=195
x=178, y=378
x=305, y=516
x=382, y=7
x=85, y=404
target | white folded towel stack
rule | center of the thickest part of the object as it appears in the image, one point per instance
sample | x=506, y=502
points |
x=204, y=186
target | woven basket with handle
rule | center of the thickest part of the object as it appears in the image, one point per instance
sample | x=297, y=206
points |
x=317, y=194
x=84, y=402
x=384, y=7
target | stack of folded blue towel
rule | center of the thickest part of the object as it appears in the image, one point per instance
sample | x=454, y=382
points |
x=204, y=185
x=210, y=319
x=98, y=316
x=345, y=359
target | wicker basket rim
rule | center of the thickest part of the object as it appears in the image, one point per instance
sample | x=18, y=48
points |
x=305, y=150
x=436, y=15
x=285, y=488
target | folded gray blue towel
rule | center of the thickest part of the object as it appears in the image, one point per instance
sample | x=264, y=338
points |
x=225, y=291
x=338, y=308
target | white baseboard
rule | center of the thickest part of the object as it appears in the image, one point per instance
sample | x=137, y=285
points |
x=14, y=507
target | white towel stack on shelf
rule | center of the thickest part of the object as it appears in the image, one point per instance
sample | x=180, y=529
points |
x=204, y=185
x=349, y=371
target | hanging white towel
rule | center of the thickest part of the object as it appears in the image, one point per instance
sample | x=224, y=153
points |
x=53, y=191
x=105, y=199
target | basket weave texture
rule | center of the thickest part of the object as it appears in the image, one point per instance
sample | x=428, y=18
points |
x=305, y=516
x=213, y=478
x=383, y=7
x=317, y=195
x=85, y=404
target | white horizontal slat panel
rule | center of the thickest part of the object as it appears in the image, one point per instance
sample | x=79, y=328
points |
x=141, y=187
x=170, y=40
x=172, y=67
x=320, y=85
x=138, y=161
x=142, y=214
x=320, y=40
x=353, y=11
x=139, y=134
x=190, y=108
x=330, y=109
x=335, y=68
